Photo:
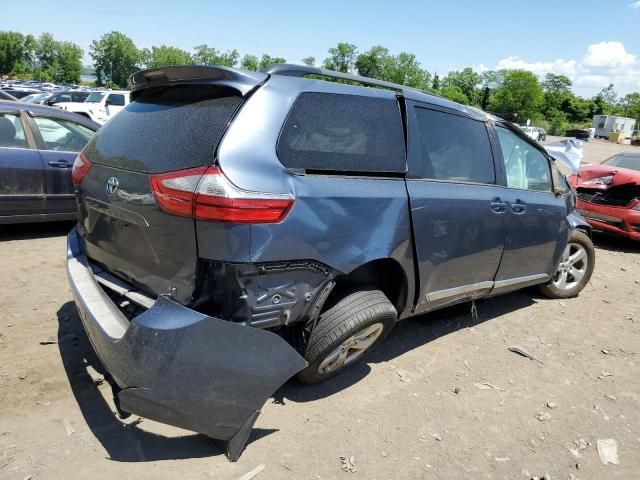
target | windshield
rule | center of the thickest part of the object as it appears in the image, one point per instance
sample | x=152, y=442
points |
x=94, y=97
x=624, y=161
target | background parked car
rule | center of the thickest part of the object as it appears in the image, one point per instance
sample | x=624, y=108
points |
x=37, y=148
x=542, y=134
x=19, y=93
x=7, y=96
x=99, y=106
x=531, y=132
x=67, y=97
x=609, y=194
x=580, y=133
x=38, y=98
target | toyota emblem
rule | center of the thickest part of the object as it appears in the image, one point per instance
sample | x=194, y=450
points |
x=112, y=186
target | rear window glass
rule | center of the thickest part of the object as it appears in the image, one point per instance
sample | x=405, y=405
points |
x=452, y=148
x=348, y=133
x=165, y=129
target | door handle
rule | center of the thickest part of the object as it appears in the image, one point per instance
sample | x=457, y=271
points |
x=60, y=164
x=498, y=206
x=518, y=207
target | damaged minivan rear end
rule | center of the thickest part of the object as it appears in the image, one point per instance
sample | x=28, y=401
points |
x=147, y=247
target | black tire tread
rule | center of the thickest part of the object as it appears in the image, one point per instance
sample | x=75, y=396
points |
x=350, y=314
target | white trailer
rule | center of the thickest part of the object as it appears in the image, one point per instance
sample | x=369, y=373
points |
x=605, y=124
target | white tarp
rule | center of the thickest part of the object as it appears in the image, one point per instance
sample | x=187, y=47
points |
x=567, y=152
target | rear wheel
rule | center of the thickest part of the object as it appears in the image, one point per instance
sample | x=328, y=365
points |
x=346, y=332
x=575, y=268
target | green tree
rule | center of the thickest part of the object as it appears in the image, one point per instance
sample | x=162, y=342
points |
x=557, y=84
x=309, y=61
x=519, y=97
x=67, y=65
x=435, y=85
x=46, y=51
x=267, y=60
x=163, y=56
x=466, y=82
x=557, y=92
x=115, y=58
x=578, y=110
x=453, y=92
x=29, y=53
x=404, y=69
x=206, y=55
x=341, y=58
x=630, y=105
x=609, y=94
x=250, y=62
x=11, y=51
x=373, y=62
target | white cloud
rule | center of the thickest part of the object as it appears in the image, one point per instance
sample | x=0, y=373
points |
x=602, y=64
x=564, y=67
x=635, y=4
x=608, y=54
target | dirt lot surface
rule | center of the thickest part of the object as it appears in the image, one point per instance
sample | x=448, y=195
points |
x=442, y=398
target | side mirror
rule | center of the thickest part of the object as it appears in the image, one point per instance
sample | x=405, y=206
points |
x=107, y=102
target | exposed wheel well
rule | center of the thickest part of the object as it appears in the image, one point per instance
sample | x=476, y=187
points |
x=384, y=273
x=585, y=229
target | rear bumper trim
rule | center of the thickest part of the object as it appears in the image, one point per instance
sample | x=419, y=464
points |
x=181, y=367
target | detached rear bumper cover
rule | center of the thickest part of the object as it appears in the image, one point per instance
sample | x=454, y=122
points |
x=181, y=367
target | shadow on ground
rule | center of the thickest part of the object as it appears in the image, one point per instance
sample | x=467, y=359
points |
x=27, y=231
x=407, y=335
x=125, y=441
x=614, y=243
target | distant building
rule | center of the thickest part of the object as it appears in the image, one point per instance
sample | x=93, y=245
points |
x=605, y=124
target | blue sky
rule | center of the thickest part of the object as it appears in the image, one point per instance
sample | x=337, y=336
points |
x=593, y=42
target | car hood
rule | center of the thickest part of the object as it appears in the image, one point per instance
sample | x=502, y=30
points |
x=621, y=176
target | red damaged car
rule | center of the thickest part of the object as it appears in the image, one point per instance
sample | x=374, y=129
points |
x=609, y=194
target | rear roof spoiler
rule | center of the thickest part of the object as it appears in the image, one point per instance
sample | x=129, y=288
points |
x=243, y=80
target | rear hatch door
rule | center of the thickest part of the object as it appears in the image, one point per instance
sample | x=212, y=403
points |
x=175, y=121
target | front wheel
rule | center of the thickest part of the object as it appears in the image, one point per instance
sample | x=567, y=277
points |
x=345, y=332
x=575, y=268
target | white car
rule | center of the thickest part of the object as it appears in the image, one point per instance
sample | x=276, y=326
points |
x=531, y=132
x=99, y=106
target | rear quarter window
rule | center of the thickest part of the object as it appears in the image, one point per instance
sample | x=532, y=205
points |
x=327, y=132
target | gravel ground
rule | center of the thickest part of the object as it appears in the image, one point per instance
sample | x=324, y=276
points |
x=442, y=398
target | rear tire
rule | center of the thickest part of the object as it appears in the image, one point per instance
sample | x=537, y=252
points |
x=346, y=332
x=574, y=270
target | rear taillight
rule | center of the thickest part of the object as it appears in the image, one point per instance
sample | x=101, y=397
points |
x=205, y=193
x=81, y=167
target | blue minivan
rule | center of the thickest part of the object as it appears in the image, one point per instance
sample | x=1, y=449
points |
x=237, y=228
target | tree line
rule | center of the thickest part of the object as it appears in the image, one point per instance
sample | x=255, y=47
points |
x=42, y=58
x=516, y=95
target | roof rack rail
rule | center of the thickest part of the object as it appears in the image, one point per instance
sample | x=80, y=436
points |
x=290, y=70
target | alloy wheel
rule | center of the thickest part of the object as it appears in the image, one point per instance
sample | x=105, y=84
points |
x=572, y=267
x=352, y=348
